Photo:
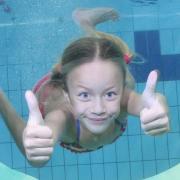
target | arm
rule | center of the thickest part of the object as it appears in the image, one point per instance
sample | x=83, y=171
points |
x=12, y=120
x=150, y=106
x=132, y=101
x=28, y=136
x=40, y=135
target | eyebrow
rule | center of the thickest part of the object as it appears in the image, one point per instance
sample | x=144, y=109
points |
x=82, y=86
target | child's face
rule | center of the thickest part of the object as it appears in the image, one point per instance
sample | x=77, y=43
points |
x=95, y=91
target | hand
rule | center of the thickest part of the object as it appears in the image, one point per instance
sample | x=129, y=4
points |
x=154, y=117
x=37, y=137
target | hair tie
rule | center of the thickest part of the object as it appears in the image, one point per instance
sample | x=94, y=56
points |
x=127, y=58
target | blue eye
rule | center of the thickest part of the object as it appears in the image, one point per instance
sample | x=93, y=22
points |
x=110, y=95
x=84, y=96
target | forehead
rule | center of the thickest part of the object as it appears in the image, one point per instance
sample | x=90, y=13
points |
x=96, y=71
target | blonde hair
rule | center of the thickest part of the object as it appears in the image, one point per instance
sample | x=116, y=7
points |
x=85, y=50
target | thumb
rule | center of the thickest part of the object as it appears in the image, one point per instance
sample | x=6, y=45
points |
x=149, y=91
x=35, y=116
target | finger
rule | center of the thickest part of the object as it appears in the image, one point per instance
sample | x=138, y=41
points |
x=156, y=132
x=40, y=152
x=156, y=124
x=151, y=85
x=42, y=132
x=38, y=143
x=149, y=115
x=35, y=116
x=38, y=158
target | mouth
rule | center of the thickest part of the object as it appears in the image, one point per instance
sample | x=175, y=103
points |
x=97, y=120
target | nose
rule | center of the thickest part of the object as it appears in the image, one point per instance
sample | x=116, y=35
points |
x=98, y=107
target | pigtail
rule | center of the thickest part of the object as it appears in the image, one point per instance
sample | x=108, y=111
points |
x=57, y=78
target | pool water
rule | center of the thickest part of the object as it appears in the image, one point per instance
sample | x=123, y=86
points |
x=33, y=34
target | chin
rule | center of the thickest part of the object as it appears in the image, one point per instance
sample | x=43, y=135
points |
x=97, y=130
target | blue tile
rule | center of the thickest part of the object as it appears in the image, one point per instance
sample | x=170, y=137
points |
x=177, y=65
x=3, y=78
x=170, y=92
x=111, y=171
x=31, y=74
x=97, y=171
x=149, y=168
x=178, y=91
x=122, y=149
x=141, y=43
x=166, y=35
x=109, y=153
x=161, y=146
x=124, y=171
x=70, y=158
x=160, y=86
x=58, y=156
x=45, y=173
x=127, y=37
x=27, y=76
x=3, y=46
x=6, y=154
x=147, y=44
x=59, y=173
x=33, y=172
x=15, y=99
x=169, y=67
x=3, y=60
x=143, y=15
x=17, y=157
x=136, y=170
x=141, y=87
x=153, y=42
x=84, y=158
x=14, y=77
x=148, y=148
x=162, y=165
x=174, y=162
x=174, y=145
x=168, y=18
x=5, y=134
x=23, y=170
x=174, y=120
x=135, y=148
x=84, y=172
x=142, y=71
x=96, y=156
x=134, y=127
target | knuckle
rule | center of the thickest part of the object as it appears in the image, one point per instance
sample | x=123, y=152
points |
x=27, y=143
x=28, y=132
x=144, y=127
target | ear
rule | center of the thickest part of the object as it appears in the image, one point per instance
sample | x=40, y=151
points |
x=66, y=96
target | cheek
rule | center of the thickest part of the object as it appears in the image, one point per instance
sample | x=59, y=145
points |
x=79, y=108
x=113, y=108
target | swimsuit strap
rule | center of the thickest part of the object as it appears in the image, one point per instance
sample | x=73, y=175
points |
x=78, y=130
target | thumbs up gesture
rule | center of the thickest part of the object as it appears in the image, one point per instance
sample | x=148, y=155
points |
x=154, y=116
x=37, y=137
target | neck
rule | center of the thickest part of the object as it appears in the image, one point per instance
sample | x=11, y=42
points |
x=97, y=137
